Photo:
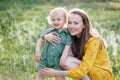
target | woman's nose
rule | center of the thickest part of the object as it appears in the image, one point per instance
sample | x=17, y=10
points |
x=71, y=25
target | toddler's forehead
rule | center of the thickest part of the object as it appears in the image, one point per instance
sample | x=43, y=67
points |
x=58, y=13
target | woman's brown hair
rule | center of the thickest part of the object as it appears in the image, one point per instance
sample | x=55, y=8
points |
x=79, y=43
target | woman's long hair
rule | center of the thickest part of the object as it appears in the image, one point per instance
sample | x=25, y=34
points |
x=79, y=43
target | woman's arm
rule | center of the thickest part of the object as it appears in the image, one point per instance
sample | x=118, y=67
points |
x=50, y=72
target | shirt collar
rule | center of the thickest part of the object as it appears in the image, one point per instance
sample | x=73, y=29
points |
x=64, y=30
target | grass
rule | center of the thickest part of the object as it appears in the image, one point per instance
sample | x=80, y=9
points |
x=22, y=21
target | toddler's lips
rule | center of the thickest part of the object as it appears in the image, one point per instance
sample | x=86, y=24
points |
x=56, y=24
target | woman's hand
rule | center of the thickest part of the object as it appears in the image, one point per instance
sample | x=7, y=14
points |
x=49, y=72
x=52, y=38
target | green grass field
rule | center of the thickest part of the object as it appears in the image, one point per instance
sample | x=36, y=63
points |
x=22, y=22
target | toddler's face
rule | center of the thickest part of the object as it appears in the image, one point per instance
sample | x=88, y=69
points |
x=58, y=20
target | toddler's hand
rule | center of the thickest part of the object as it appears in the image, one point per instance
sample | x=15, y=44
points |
x=63, y=63
x=38, y=58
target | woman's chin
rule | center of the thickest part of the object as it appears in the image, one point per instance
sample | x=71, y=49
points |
x=72, y=34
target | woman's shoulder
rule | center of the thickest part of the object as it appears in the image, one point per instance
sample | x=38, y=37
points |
x=93, y=41
x=94, y=38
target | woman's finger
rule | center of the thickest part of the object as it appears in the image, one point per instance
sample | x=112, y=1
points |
x=56, y=39
x=53, y=43
x=54, y=33
x=52, y=38
x=76, y=63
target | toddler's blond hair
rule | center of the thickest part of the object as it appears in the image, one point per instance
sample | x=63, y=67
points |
x=57, y=11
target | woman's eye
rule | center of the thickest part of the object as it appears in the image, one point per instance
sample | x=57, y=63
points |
x=75, y=23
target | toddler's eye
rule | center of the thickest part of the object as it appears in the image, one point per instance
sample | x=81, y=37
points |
x=69, y=22
x=58, y=19
x=53, y=19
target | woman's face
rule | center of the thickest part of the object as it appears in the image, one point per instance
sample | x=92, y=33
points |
x=75, y=24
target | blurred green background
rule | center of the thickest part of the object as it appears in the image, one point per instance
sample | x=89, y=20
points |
x=22, y=22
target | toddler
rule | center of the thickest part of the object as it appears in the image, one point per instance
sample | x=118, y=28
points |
x=54, y=56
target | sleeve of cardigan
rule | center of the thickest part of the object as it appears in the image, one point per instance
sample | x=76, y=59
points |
x=90, y=51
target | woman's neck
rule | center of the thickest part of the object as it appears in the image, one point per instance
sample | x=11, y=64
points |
x=78, y=35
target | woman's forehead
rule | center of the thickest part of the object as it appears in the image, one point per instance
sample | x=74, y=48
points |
x=74, y=16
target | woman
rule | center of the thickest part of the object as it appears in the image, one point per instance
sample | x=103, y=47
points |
x=87, y=47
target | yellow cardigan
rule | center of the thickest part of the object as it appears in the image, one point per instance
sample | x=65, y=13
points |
x=95, y=62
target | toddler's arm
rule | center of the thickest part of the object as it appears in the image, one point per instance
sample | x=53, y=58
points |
x=64, y=56
x=39, y=44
